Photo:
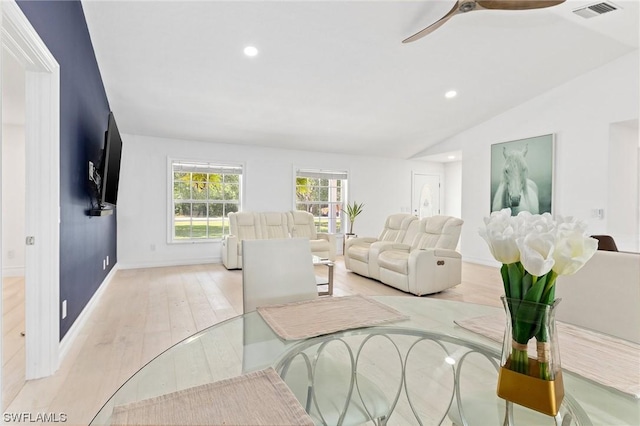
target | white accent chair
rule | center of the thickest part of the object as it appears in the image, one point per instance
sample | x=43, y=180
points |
x=278, y=271
x=302, y=225
x=361, y=254
x=430, y=264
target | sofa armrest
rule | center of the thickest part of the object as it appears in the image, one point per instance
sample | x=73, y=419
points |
x=359, y=240
x=433, y=270
x=437, y=252
x=395, y=246
x=230, y=252
x=331, y=238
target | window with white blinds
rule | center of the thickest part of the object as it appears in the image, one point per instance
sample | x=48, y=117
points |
x=202, y=196
x=322, y=193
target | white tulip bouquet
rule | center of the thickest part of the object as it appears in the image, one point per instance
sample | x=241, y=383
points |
x=534, y=250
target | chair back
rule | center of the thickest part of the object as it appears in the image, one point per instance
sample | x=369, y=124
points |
x=395, y=227
x=441, y=232
x=277, y=271
x=302, y=225
x=274, y=225
x=245, y=225
x=606, y=242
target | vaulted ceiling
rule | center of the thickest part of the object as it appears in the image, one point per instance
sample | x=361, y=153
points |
x=333, y=75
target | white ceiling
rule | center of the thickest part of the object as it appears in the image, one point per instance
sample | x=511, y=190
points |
x=334, y=75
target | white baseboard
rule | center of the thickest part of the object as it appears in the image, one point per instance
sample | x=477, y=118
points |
x=13, y=271
x=172, y=262
x=68, y=339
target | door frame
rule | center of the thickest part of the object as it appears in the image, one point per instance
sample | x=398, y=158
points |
x=42, y=213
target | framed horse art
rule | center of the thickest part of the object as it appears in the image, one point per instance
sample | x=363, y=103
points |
x=522, y=175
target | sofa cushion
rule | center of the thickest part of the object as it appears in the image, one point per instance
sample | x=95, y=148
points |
x=395, y=227
x=438, y=232
x=397, y=261
x=319, y=246
x=302, y=225
x=274, y=225
x=246, y=226
x=359, y=252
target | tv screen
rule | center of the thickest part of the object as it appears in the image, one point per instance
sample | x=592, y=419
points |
x=110, y=164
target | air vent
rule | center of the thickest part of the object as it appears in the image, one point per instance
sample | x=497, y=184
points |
x=596, y=10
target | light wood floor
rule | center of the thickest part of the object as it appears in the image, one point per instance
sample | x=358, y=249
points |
x=13, y=356
x=144, y=311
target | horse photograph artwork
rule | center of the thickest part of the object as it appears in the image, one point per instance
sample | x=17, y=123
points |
x=522, y=175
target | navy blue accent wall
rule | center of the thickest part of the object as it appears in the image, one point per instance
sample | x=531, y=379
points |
x=84, y=111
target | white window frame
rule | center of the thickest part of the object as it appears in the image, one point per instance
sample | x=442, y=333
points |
x=204, y=165
x=342, y=175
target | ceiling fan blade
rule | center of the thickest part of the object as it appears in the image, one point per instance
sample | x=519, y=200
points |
x=431, y=28
x=518, y=4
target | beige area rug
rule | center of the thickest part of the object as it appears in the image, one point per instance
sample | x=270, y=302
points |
x=257, y=398
x=603, y=359
x=326, y=315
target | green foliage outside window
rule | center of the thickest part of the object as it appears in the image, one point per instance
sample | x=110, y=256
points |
x=202, y=202
x=323, y=199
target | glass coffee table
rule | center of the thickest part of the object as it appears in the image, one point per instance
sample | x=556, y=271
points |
x=324, y=281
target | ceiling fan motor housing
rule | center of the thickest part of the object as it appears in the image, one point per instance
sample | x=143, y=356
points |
x=467, y=6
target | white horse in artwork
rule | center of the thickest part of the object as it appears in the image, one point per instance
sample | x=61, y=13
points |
x=516, y=190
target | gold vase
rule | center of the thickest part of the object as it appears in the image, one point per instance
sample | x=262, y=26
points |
x=531, y=381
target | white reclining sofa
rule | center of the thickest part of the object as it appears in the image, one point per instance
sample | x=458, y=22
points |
x=361, y=254
x=270, y=225
x=424, y=261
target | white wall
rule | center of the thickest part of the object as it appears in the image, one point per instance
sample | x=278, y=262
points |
x=622, y=214
x=453, y=193
x=580, y=113
x=13, y=200
x=382, y=184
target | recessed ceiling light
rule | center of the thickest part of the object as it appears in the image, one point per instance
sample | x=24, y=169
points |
x=451, y=157
x=250, y=51
x=450, y=94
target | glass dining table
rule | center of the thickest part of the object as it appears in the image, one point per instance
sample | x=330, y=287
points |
x=429, y=370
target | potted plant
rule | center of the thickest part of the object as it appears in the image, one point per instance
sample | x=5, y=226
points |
x=353, y=210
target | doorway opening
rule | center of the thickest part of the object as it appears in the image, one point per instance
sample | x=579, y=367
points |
x=42, y=190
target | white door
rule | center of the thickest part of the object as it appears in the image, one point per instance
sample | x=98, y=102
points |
x=425, y=199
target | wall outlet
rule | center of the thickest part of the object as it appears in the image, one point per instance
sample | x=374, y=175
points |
x=11, y=254
x=64, y=309
x=152, y=247
x=104, y=264
x=107, y=260
x=91, y=170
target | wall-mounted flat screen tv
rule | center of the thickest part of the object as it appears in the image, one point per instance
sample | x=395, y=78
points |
x=110, y=171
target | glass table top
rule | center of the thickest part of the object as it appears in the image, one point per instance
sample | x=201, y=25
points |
x=429, y=366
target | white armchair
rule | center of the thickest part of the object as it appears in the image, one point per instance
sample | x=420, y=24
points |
x=302, y=225
x=430, y=264
x=361, y=254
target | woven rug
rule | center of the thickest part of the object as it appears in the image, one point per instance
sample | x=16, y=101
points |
x=603, y=359
x=257, y=398
x=310, y=318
